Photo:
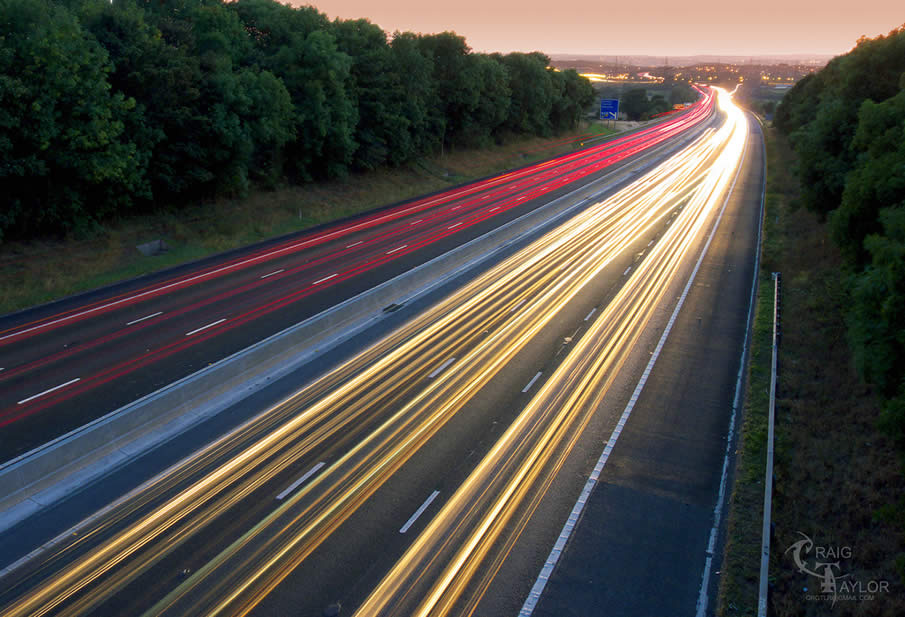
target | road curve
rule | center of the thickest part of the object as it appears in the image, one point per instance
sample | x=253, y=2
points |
x=70, y=362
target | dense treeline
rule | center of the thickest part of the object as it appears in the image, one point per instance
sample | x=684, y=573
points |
x=847, y=123
x=111, y=108
x=638, y=106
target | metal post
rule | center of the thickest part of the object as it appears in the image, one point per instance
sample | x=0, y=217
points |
x=768, y=479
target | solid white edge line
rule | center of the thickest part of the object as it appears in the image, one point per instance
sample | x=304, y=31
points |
x=544, y=575
x=419, y=512
x=326, y=278
x=701, y=607
x=140, y=319
x=273, y=273
x=210, y=325
x=398, y=248
x=593, y=310
x=441, y=368
x=531, y=383
x=48, y=391
x=301, y=480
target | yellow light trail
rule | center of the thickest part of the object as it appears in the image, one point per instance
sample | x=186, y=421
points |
x=468, y=538
x=383, y=394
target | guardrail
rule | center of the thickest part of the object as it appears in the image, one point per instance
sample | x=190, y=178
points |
x=44, y=475
x=763, y=592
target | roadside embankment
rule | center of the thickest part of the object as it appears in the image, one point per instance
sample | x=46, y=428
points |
x=836, y=473
x=34, y=272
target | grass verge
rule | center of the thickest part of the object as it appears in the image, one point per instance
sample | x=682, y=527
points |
x=835, y=471
x=43, y=270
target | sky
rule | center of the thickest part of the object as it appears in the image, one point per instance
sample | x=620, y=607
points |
x=645, y=27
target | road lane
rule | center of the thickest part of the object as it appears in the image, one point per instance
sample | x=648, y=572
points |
x=455, y=560
x=365, y=422
x=117, y=366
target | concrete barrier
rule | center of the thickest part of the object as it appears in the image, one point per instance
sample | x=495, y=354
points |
x=44, y=475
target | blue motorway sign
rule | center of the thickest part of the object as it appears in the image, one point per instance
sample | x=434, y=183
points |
x=609, y=109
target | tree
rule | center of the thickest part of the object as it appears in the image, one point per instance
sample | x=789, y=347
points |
x=415, y=71
x=377, y=92
x=66, y=160
x=878, y=178
x=635, y=103
x=532, y=93
x=296, y=46
x=575, y=94
x=682, y=93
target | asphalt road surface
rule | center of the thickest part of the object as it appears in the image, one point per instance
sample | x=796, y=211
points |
x=67, y=363
x=431, y=471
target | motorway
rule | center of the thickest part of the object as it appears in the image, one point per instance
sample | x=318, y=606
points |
x=67, y=363
x=405, y=479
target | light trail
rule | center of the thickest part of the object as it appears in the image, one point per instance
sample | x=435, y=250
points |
x=375, y=396
x=463, y=547
x=365, y=223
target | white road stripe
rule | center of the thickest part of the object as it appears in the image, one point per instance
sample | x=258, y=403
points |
x=262, y=257
x=649, y=243
x=627, y=270
x=416, y=222
x=299, y=482
x=398, y=248
x=272, y=273
x=521, y=198
x=517, y=304
x=531, y=383
x=348, y=246
x=593, y=310
x=494, y=208
x=456, y=225
x=440, y=368
x=143, y=318
x=326, y=278
x=552, y=559
x=210, y=325
x=48, y=391
x=419, y=512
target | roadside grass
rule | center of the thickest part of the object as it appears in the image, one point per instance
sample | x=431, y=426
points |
x=43, y=270
x=835, y=471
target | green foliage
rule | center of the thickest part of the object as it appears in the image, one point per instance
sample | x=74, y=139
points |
x=847, y=123
x=821, y=114
x=106, y=108
x=532, y=93
x=574, y=95
x=65, y=155
x=635, y=104
x=878, y=178
x=682, y=93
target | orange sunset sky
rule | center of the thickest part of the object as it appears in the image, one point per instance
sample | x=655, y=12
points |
x=654, y=27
